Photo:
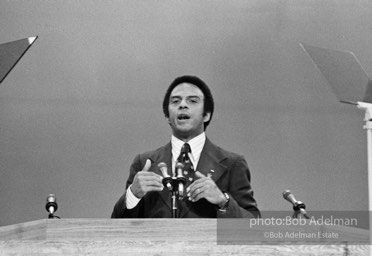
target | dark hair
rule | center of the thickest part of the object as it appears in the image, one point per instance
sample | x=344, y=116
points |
x=208, y=98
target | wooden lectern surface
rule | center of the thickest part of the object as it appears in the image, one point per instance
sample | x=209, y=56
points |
x=142, y=237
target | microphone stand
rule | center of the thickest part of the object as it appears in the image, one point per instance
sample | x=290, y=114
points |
x=174, y=198
x=173, y=188
x=367, y=107
x=52, y=216
x=175, y=185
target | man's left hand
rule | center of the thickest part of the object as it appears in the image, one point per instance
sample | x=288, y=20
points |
x=204, y=187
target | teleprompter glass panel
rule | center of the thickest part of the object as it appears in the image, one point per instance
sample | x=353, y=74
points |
x=11, y=53
x=344, y=73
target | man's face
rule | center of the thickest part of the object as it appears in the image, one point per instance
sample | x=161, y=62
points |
x=186, y=106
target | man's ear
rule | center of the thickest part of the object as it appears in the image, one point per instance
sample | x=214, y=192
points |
x=167, y=118
x=207, y=117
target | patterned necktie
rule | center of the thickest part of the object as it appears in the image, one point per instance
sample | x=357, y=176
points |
x=188, y=171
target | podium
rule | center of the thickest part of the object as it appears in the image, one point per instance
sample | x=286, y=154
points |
x=148, y=237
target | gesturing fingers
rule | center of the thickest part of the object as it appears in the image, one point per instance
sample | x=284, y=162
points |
x=147, y=185
x=199, y=175
x=146, y=181
x=147, y=166
x=201, y=188
x=196, y=194
x=204, y=187
x=149, y=177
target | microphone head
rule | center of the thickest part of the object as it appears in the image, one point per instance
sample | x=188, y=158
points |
x=179, y=165
x=51, y=205
x=162, y=165
x=51, y=198
x=164, y=169
x=179, y=169
x=297, y=205
x=286, y=193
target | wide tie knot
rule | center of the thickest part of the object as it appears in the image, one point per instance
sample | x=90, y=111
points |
x=186, y=148
x=184, y=154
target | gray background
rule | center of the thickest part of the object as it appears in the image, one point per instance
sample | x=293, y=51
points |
x=86, y=98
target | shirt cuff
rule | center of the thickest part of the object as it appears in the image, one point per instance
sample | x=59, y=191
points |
x=131, y=200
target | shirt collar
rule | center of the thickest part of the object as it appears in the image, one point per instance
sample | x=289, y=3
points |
x=196, y=145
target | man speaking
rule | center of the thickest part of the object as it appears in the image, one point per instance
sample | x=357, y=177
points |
x=217, y=181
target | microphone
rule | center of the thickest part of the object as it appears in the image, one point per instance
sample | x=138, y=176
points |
x=181, y=181
x=51, y=205
x=298, y=206
x=167, y=180
x=287, y=195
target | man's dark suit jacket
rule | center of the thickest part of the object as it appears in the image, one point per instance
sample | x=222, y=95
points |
x=229, y=171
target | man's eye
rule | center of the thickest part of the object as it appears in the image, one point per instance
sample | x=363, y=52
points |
x=193, y=100
x=175, y=101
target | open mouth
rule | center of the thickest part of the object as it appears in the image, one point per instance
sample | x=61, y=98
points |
x=183, y=117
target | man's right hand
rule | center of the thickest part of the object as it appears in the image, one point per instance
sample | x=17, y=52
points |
x=145, y=181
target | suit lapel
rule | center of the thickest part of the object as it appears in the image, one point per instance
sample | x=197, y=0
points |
x=210, y=162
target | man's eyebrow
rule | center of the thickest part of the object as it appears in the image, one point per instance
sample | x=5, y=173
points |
x=175, y=97
x=188, y=96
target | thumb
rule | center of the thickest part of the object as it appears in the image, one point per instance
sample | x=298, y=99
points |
x=147, y=165
x=199, y=175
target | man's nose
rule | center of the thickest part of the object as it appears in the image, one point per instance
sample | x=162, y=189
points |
x=183, y=104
